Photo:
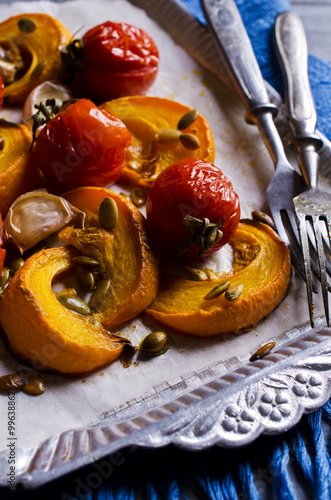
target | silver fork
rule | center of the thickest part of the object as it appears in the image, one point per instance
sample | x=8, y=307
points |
x=313, y=206
x=225, y=24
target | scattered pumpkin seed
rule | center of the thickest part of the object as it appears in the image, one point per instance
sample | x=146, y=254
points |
x=108, y=213
x=233, y=292
x=67, y=291
x=138, y=196
x=155, y=343
x=74, y=304
x=99, y=293
x=4, y=277
x=189, y=141
x=262, y=351
x=187, y=119
x=168, y=135
x=217, y=290
x=16, y=264
x=84, y=260
x=34, y=385
x=262, y=217
x=13, y=382
x=26, y=25
x=38, y=70
x=85, y=279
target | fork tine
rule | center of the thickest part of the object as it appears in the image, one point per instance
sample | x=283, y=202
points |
x=301, y=220
x=286, y=224
x=321, y=261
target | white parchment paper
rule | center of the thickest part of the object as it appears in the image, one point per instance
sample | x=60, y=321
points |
x=240, y=153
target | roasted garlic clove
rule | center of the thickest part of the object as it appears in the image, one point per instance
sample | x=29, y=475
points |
x=36, y=215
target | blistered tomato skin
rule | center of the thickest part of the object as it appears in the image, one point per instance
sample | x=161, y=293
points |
x=190, y=187
x=81, y=146
x=118, y=59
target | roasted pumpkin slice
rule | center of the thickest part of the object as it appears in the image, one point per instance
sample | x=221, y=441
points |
x=152, y=151
x=123, y=252
x=40, y=330
x=16, y=173
x=30, y=53
x=261, y=269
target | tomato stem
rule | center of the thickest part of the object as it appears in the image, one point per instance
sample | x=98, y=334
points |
x=203, y=232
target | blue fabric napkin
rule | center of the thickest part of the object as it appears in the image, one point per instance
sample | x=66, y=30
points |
x=259, y=17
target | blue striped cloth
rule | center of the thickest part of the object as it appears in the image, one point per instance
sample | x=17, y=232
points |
x=294, y=465
x=259, y=17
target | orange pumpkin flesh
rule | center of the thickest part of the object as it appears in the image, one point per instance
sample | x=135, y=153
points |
x=261, y=263
x=16, y=173
x=41, y=330
x=128, y=261
x=39, y=48
x=144, y=116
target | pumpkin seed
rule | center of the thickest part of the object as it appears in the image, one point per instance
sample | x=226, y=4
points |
x=187, y=119
x=262, y=351
x=34, y=385
x=67, y=291
x=189, y=141
x=85, y=279
x=14, y=382
x=4, y=277
x=99, y=293
x=74, y=304
x=155, y=343
x=38, y=70
x=233, y=292
x=84, y=260
x=108, y=213
x=16, y=264
x=264, y=218
x=138, y=197
x=26, y=25
x=168, y=135
x=217, y=290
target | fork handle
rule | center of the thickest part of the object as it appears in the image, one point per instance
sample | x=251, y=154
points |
x=292, y=52
x=226, y=26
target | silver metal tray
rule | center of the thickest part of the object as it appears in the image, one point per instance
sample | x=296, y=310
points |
x=229, y=403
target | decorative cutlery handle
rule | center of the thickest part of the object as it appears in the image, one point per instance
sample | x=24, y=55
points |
x=226, y=26
x=292, y=50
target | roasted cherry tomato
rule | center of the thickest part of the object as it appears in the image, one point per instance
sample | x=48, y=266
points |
x=118, y=59
x=192, y=209
x=81, y=146
x=2, y=86
x=2, y=250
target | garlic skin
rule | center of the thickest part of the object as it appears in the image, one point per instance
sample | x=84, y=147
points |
x=46, y=90
x=36, y=215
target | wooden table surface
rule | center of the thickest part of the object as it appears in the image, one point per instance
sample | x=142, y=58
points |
x=316, y=18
